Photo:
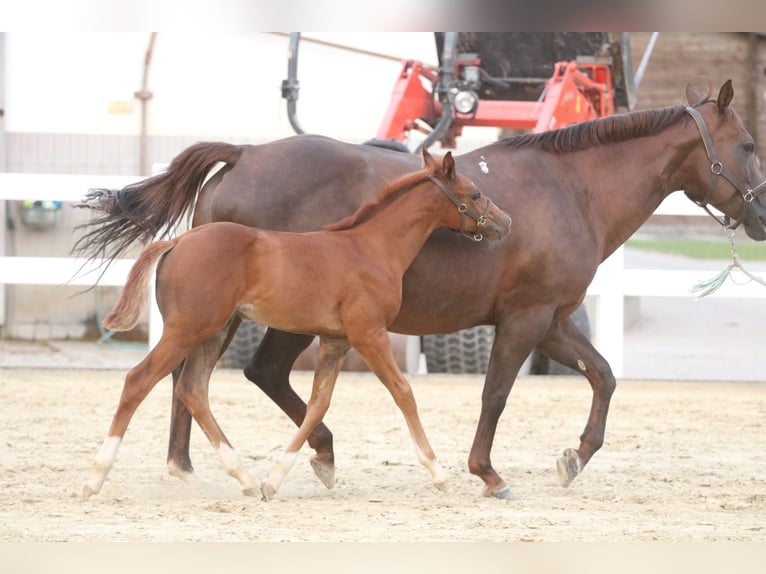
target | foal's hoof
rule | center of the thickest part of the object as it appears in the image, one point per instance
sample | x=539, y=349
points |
x=325, y=472
x=502, y=493
x=267, y=491
x=252, y=491
x=188, y=476
x=568, y=466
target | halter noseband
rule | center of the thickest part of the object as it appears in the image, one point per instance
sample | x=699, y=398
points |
x=716, y=168
x=463, y=210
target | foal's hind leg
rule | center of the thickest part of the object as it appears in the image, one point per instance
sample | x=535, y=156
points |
x=139, y=382
x=567, y=345
x=178, y=460
x=375, y=349
x=192, y=390
x=331, y=355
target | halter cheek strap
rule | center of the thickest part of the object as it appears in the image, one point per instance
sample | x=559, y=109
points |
x=463, y=210
x=717, y=169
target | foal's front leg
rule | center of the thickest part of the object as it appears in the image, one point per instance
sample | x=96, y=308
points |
x=375, y=349
x=331, y=355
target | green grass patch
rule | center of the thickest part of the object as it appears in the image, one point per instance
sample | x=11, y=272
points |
x=701, y=249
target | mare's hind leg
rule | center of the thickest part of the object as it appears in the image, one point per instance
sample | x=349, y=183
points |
x=566, y=344
x=270, y=369
x=192, y=390
x=178, y=460
x=139, y=381
x=376, y=351
x=331, y=355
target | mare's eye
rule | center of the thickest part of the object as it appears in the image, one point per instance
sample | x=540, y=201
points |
x=749, y=147
x=476, y=196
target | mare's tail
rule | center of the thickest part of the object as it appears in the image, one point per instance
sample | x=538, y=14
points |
x=128, y=309
x=140, y=211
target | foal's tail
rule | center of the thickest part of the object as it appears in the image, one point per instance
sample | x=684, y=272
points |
x=140, y=211
x=128, y=309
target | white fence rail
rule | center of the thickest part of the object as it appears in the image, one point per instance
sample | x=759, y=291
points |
x=20, y=270
x=609, y=288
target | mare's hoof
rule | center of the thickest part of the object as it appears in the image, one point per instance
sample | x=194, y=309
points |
x=324, y=472
x=267, y=491
x=502, y=493
x=87, y=492
x=568, y=466
x=441, y=485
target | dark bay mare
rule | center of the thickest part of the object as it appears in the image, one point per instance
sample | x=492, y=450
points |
x=343, y=284
x=576, y=194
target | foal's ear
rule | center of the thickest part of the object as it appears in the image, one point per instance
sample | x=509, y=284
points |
x=693, y=95
x=448, y=167
x=725, y=96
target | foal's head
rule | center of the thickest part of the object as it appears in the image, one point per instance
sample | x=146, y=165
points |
x=474, y=215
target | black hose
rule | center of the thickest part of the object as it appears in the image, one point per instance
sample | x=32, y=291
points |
x=291, y=86
x=446, y=80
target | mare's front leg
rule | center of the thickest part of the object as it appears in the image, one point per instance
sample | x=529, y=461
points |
x=376, y=351
x=515, y=337
x=331, y=355
x=139, y=382
x=270, y=369
x=566, y=344
x=178, y=460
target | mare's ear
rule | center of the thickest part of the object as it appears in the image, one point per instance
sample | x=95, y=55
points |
x=725, y=96
x=693, y=95
x=428, y=159
x=448, y=167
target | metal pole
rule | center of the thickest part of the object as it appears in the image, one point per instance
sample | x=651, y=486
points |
x=645, y=60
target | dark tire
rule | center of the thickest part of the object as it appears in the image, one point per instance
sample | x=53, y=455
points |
x=243, y=345
x=465, y=351
x=542, y=365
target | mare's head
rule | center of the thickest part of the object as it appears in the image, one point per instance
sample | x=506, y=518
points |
x=474, y=214
x=725, y=167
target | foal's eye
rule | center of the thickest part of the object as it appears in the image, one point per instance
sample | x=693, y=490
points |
x=476, y=196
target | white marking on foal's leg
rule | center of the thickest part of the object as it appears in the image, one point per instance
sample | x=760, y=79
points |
x=104, y=461
x=438, y=473
x=581, y=365
x=234, y=467
x=281, y=468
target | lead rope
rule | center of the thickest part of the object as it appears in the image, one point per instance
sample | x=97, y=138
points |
x=704, y=288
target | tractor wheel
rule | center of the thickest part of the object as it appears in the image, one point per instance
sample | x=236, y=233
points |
x=542, y=365
x=465, y=351
x=468, y=351
x=243, y=345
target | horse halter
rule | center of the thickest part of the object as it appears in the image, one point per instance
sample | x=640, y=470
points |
x=463, y=210
x=716, y=168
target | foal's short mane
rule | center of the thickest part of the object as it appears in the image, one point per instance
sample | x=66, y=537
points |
x=607, y=130
x=382, y=198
